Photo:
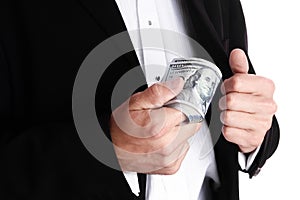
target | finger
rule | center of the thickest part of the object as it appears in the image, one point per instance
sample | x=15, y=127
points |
x=176, y=137
x=172, y=166
x=153, y=123
x=146, y=123
x=248, y=83
x=239, y=120
x=238, y=61
x=164, y=119
x=162, y=144
x=150, y=162
x=246, y=141
x=156, y=95
x=249, y=103
x=165, y=144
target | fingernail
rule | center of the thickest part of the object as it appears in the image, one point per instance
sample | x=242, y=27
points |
x=222, y=103
x=223, y=91
x=175, y=85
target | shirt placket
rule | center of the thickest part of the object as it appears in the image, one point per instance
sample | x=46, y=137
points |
x=154, y=58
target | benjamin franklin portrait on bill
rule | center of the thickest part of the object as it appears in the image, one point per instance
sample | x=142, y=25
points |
x=199, y=88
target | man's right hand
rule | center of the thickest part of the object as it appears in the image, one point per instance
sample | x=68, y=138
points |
x=150, y=138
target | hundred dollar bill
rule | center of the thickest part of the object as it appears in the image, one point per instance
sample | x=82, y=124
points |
x=201, y=80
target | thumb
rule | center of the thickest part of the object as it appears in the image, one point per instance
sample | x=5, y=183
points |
x=156, y=95
x=238, y=61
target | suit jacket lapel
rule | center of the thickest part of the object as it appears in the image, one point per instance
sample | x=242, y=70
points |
x=108, y=17
x=215, y=41
x=102, y=12
x=228, y=167
x=202, y=29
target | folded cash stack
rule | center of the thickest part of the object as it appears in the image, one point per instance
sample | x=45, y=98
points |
x=201, y=80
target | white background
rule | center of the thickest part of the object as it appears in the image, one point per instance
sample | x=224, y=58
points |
x=273, y=37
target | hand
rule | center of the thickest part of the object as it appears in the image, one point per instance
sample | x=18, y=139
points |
x=248, y=106
x=149, y=138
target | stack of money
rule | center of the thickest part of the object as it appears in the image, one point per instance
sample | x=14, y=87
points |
x=201, y=80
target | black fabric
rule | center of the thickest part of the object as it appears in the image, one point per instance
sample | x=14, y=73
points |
x=42, y=45
x=267, y=149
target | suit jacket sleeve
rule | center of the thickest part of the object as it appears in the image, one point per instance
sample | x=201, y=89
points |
x=238, y=39
x=41, y=155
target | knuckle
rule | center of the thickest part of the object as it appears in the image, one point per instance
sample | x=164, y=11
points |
x=268, y=124
x=236, y=82
x=255, y=140
x=227, y=133
x=172, y=170
x=270, y=84
x=225, y=117
x=135, y=99
x=265, y=125
x=156, y=131
x=225, y=85
x=165, y=151
x=269, y=106
x=155, y=93
x=140, y=118
x=164, y=162
x=230, y=100
x=273, y=106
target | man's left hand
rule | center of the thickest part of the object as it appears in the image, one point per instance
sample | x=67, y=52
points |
x=247, y=105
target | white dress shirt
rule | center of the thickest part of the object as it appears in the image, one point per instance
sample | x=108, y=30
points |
x=200, y=160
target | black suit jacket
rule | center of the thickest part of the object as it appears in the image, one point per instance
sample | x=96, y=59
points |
x=42, y=45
